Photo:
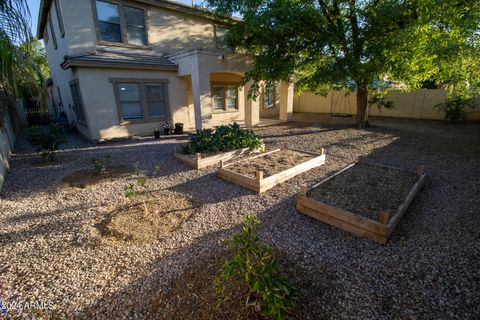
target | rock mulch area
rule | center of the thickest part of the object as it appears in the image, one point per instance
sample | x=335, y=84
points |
x=49, y=250
x=271, y=163
x=366, y=190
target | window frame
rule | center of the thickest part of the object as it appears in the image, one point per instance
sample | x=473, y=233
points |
x=123, y=24
x=58, y=11
x=81, y=107
x=143, y=99
x=225, y=85
x=52, y=32
x=217, y=43
x=265, y=96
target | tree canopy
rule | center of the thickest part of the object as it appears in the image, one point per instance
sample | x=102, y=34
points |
x=338, y=44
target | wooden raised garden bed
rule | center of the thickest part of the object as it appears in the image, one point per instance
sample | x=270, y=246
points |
x=199, y=160
x=262, y=172
x=364, y=198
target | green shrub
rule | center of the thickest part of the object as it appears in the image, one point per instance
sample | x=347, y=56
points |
x=454, y=108
x=255, y=266
x=223, y=138
x=47, y=139
x=100, y=164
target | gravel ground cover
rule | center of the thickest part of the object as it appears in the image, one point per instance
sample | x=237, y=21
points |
x=366, y=190
x=50, y=251
x=271, y=163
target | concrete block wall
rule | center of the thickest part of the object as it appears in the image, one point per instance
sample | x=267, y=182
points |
x=416, y=104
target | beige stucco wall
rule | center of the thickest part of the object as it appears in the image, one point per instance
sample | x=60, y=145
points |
x=417, y=104
x=169, y=31
x=100, y=104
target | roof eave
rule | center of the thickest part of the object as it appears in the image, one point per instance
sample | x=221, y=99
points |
x=67, y=64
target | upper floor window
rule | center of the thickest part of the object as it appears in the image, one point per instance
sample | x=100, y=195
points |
x=121, y=24
x=58, y=11
x=220, y=34
x=52, y=31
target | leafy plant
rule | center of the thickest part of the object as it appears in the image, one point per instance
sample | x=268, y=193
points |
x=131, y=189
x=454, y=108
x=255, y=266
x=100, y=164
x=47, y=139
x=223, y=138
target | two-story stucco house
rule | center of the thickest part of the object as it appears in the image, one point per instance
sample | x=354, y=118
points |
x=122, y=68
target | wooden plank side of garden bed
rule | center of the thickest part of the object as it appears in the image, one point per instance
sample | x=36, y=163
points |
x=403, y=207
x=198, y=162
x=352, y=222
x=240, y=179
x=264, y=184
x=318, y=214
x=273, y=180
x=368, y=225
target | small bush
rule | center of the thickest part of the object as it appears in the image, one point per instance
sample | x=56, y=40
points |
x=47, y=139
x=223, y=138
x=454, y=108
x=100, y=164
x=255, y=266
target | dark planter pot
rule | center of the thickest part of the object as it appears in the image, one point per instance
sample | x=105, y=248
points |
x=156, y=134
x=166, y=131
x=178, y=128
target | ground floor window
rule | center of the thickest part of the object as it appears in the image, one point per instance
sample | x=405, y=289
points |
x=224, y=97
x=269, y=97
x=141, y=99
x=78, y=108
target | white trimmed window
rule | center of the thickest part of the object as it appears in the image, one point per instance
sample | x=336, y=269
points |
x=118, y=23
x=224, y=97
x=143, y=99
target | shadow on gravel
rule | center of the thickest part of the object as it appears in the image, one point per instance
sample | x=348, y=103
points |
x=209, y=186
x=35, y=227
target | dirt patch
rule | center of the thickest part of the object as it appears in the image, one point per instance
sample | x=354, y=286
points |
x=366, y=190
x=193, y=294
x=84, y=178
x=271, y=163
x=60, y=159
x=163, y=214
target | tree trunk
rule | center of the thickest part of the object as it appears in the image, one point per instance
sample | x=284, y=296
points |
x=362, y=108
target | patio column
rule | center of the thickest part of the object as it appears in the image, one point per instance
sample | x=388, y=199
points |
x=252, y=108
x=286, y=101
x=202, y=103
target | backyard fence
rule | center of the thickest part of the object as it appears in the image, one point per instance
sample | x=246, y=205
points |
x=417, y=104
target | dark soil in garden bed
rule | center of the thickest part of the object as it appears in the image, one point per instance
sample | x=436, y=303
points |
x=84, y=178
x=193, y=294
x=149, y=220
x=270, y=164
x=366, y=190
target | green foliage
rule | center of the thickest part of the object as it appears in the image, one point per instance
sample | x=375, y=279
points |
x=454, y=108
x=255, y=266
x=141, y=180
x=47, y=139
x=100, y=164
x=223, y=138
x=377, y=98
x=347, y=44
